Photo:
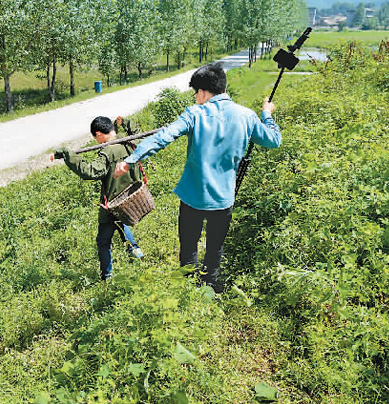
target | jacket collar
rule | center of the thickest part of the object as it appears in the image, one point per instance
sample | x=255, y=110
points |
x=220, y=97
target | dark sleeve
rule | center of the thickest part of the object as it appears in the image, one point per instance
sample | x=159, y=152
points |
x=95, y=170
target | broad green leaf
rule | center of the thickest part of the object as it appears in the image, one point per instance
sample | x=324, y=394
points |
x=183, y=355
x=67, y=367
x=104, y=372
x=208, y=292
x=136, y=369
x=241, y=295
x=42, y=398
x=265, y=393
x=180, y=397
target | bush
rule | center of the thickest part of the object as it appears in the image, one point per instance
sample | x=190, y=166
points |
x=311, y=225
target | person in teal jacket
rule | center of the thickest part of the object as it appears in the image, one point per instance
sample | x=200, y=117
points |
x=218, y=132
x=102, y=168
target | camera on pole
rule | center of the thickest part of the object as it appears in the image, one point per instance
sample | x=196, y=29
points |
x=285, y=60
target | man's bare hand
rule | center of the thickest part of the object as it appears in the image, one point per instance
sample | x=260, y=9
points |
x=268, y=105
x=120, y=169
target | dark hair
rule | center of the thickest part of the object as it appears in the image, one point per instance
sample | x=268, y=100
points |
x=210, y=77
x=101, y=124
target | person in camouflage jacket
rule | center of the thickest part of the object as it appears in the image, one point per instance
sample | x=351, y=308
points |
x=102, y=168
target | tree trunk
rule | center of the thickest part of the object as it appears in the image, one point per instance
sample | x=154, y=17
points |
x=140, y=70
x=6, y=75
x=167, y=60
x=268, y=46
x=48, y=76
x=8, y=95
x=183, y=57
x=125, y=74
x=121, y=75
x=52, y=84
x=200, y=51
x=71, y=73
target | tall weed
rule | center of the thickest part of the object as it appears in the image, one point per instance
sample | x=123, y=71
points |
x=311, y=225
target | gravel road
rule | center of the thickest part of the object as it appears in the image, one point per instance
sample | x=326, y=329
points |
x=26, y=142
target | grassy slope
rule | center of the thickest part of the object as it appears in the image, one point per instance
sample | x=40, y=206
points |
x=150, y=333
x=51, y=295
x=52, y=300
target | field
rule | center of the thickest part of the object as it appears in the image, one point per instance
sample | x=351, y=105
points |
x=305, y=316
x=327, y=39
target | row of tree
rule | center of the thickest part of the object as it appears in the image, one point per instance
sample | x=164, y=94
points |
x=119, y=35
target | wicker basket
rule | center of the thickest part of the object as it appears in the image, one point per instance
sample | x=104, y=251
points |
x=132, y=204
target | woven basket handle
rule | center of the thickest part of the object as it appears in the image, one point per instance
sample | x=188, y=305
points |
x=120, y=121
x=140, y=164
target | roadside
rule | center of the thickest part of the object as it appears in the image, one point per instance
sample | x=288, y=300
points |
x=28, y=142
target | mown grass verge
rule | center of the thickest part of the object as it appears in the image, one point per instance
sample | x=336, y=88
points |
x=30, y=94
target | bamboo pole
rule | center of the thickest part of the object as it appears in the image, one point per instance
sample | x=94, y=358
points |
x=117, y=141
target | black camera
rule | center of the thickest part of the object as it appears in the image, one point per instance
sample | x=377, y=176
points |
x=288, y=59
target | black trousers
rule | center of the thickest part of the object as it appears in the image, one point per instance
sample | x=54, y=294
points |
x=190, y=225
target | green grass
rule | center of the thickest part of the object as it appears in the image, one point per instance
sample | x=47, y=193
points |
x=31, y=95
x=306, y=260
x=327, y=39
x=247, y=86
x=64, y=334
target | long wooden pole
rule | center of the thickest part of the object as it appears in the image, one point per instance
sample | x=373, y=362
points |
x=117, y=141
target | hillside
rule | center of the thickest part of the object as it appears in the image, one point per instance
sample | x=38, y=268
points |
x=304, y=319
x=323, y=4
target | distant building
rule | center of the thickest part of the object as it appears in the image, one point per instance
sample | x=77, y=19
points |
x=332, y=21
x=350, y=17
x=312, y=16
x=369, y=13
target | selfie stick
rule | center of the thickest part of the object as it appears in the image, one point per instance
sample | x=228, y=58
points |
x=285, y=59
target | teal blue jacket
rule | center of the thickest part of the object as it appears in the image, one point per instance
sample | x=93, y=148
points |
x=218, y=133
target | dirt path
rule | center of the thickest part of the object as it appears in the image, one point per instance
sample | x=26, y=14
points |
x=27, y=142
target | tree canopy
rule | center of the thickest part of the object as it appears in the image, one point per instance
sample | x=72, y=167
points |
x=118, y=35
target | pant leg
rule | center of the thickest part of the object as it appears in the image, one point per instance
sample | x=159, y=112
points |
x=104, y=242
x=190, y=225
x=218, y=223
x=126, y=235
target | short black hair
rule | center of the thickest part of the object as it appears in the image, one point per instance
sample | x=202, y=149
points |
x=101, y=124
x=210, y=77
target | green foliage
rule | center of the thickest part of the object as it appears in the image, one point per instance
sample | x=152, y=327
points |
x=306, y=317
x=170, y=105
x=311, y=225
x=148, y=335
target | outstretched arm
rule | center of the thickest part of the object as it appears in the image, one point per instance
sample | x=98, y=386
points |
x=155, y=143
